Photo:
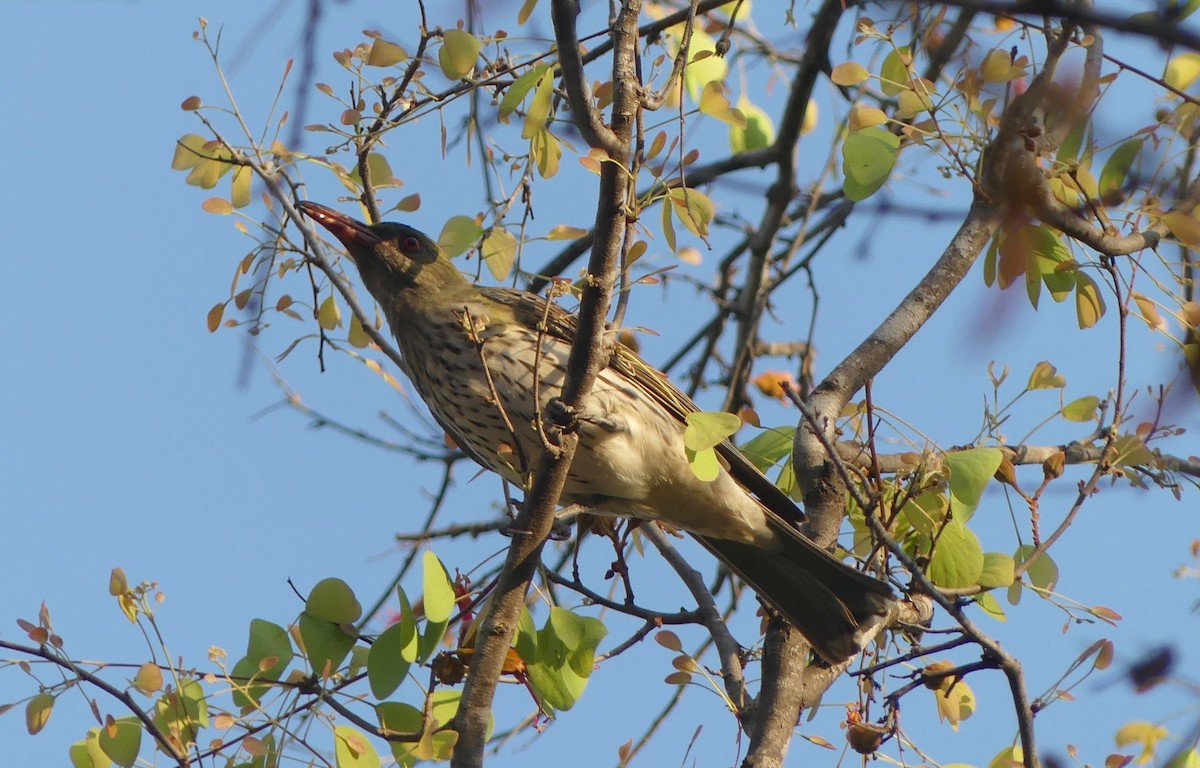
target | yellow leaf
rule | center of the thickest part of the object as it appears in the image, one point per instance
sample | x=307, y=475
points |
x=811, y=114
x=240, y=192
x=547, y=153
x=849, y=73
x=565, y=232
x=1185, y=228
x=214, y=316
x=910, y=103
x=499, y=252
x=539, y=107
x=956, y=703
x=218, y=205
x=458, y=53
x=526, y=9
x=1182, y=70
x=37, y=712
x=1149, y=311
x=118, y=583
x=328, y=315
x=458, y=235
x=862, y=116
x=713, y=102
x=1141, y=732
x=694, y=209
x=998, y=67
x=1045, y=376
x=149, y=678
x=409, y=204
x=1089, y=304
x=385, y=54
x=358, y=336
x=704, y=66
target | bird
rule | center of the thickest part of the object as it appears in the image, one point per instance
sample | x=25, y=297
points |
x=490, y=362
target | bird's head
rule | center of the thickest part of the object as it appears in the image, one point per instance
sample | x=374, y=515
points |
x=389, y=256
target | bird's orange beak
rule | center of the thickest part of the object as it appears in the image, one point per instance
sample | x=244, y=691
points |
x=353, y=233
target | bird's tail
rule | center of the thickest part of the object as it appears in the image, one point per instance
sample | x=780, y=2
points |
x=833, y=605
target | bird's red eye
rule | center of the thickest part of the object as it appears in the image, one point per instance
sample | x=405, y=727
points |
x=410, y=244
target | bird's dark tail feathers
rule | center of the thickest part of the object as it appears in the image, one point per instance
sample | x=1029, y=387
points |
x=833, y=605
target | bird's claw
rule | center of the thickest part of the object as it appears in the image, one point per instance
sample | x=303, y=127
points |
x=568, y=418
x=560, y=414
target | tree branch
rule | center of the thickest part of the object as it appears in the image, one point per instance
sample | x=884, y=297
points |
x=586, y=359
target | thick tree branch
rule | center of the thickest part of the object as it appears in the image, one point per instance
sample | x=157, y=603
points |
x=588, y=356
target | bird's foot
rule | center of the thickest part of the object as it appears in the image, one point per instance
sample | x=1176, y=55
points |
x=568, y=418
x=560, y=529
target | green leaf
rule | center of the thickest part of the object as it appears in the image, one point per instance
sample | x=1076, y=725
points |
x=668, y=227
x=893, y=75
x=990, y=606
x=1116, y=169
x=439, y=604
x=709, y=429
x=997, y=570
x=868, y=157
x=565, y=655
x=87, y=753
x=970, y=472
x=439, y=592
x=1083, y=409
x=499, y=252
x=458, y=235
x=458, y=53
x=1186, y=759
x=269, y=640
x=352, y=749
x=1045, y=256
x=758, y=131
x=769, y=447
x=326, y=644
x=957, y=559
x=1070, y=148
x=380, y=171
x=268, y=653
x=182, y=712
x=926, y=512
x=386, y=665
x=516, y=93
x=704, y=65
x=580, y=635
x=122, y=740
x=1042, y=574
x=333, y=600
x=705, y=464
x=1130, y=451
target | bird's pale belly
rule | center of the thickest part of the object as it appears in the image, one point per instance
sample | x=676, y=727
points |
x=631, y=460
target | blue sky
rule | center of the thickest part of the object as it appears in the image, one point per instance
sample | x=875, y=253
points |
x=137, y=438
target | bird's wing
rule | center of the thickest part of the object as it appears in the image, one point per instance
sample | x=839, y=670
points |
x=535, y=311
